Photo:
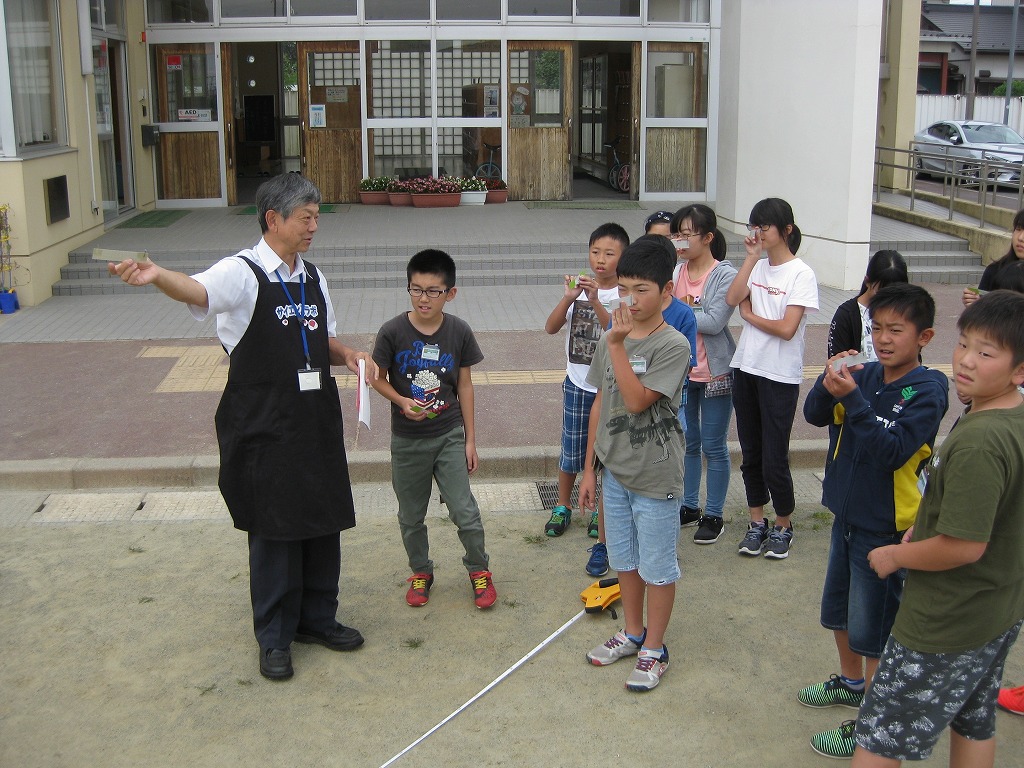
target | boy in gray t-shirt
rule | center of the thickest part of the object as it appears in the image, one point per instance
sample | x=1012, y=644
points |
x=637, y=442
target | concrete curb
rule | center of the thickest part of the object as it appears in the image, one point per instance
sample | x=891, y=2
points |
x=526, y=463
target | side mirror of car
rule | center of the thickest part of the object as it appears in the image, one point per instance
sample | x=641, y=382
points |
x=955, y=139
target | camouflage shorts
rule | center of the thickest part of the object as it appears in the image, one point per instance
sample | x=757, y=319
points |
x=914, y=696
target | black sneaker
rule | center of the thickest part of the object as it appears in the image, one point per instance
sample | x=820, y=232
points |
x=689, y=516
x=710, y=530
x=561, y=516
x=779, y=541
x=753, y=542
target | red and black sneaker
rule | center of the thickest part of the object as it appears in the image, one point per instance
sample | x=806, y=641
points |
x=484, y=594
x=419, y=589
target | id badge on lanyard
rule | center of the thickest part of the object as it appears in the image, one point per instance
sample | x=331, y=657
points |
x=308, y=377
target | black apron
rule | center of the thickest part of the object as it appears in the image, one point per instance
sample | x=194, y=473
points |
x=283, y=470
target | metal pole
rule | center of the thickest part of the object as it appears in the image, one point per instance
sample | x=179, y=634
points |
x=1009, y=66
x=974, y=60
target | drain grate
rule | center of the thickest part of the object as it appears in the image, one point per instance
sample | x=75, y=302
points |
x=548, y=492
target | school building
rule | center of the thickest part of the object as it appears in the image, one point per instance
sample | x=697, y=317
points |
x=109, y=107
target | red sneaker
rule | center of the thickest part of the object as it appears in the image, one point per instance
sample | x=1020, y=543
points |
x=419, y=589
x=1012, y=700
x=483, y=589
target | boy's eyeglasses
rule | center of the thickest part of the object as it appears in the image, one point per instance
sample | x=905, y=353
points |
x=752, y=228
x=433, y=293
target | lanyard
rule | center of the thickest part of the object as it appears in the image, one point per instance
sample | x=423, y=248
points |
x=300, y=311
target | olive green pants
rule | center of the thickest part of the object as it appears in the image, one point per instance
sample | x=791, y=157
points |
x=414, y=462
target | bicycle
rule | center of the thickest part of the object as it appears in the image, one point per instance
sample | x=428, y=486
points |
x=490, y=169
x=618, y=174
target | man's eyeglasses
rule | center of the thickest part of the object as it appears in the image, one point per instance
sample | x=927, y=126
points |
x=433, y=293
x=752, y=228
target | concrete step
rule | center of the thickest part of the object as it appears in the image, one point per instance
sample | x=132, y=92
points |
x=941, y=259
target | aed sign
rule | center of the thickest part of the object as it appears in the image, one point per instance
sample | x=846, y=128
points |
x=174, y=63
x=195, y=115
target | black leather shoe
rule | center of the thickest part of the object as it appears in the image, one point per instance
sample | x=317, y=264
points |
x=341, y=638
x=276, y=663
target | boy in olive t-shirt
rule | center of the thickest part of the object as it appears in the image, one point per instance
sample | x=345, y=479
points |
x=963, y=603
x=638, y=369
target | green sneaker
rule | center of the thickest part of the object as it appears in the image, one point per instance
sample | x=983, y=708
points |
x=592, y=527
x=838, y=742
x=561, y=516
x=832, y=693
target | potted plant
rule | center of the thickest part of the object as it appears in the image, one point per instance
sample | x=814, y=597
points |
x=497, y=191
x=8, y=296
x=474, y=191
x=374, y=190
x=398, y=192
x=433, y=192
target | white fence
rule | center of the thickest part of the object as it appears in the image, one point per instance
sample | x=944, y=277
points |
x=931, y=109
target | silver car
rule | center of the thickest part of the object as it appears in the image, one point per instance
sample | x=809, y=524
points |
x=943, y=144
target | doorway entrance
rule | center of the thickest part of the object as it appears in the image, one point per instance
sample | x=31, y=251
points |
x=604, y=162
x=113, y=127
x=540, y=107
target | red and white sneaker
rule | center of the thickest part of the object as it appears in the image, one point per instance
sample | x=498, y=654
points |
x=1012, y=700
x=419, y=589
x=484, y=593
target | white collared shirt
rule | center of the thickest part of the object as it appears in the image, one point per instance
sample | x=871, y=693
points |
x=231, y=288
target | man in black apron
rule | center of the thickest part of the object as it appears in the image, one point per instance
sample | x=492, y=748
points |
x=283, y=469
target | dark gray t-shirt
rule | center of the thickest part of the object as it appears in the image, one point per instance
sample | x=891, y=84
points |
x=644, y=450
x=426, y=368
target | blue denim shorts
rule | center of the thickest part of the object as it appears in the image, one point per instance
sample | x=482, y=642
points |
x=854, y=598
x=641, y=532
x=914, y=696
x=576, y=405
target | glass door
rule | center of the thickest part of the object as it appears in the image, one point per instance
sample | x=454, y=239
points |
x=116, y=176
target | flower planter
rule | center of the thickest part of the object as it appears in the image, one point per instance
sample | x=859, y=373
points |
x=399, y=198
x=474, y=197
x=497, y=195
x=8, y=302
x=373, y=198
x=437, y=200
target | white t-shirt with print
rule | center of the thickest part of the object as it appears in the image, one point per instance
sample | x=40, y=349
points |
x=772, y=291
x=581, y=337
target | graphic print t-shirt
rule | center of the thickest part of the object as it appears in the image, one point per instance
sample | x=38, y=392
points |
x=584, y=330
x=426, y=368
x=644, y=450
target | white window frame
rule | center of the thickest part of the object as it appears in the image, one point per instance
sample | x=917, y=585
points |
x=8, y=134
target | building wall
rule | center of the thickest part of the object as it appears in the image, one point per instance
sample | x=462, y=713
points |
x=798, y=114
x=897, y=88
x=37, y=248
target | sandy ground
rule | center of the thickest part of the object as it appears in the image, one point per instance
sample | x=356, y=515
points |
x=130, y=643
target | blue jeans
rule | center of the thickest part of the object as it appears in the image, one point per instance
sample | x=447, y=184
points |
x=641, y=532
x=854, y=598
x=707, y=426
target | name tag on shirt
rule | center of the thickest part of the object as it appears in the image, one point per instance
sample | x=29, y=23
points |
x=309, y=379
x=431, y=352
x=638, y=364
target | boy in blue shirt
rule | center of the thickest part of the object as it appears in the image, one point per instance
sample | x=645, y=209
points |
x=427, y=355
x=637, y=442
x=888, y=413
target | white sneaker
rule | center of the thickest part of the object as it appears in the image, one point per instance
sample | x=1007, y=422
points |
x=650, y=666
x=617, y=648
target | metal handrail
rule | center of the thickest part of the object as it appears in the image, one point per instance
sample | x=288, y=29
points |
x=958, y=172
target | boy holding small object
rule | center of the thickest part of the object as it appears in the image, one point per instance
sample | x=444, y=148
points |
x=427, y=355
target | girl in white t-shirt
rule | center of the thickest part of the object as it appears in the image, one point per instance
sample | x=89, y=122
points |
x=773, y=296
